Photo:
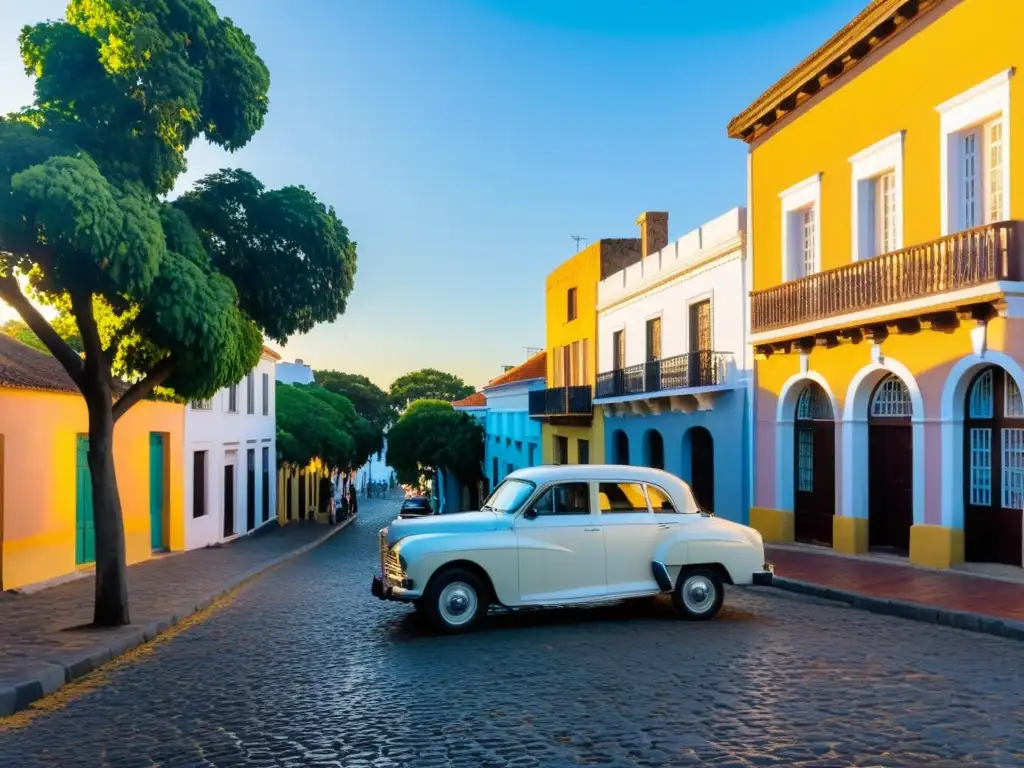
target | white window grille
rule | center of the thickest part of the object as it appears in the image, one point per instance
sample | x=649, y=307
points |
x=981, y=400
x=994, y=171
x=970, y=188
x=1013, y=468
x=813, y=405
x=1013, y=405
x=807, y=253
x=892, y=399
x=886, y=213
x=805, y=460
x=202, y=405
x=981, y=466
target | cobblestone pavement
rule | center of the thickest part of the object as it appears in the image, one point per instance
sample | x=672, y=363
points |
x=305, y=668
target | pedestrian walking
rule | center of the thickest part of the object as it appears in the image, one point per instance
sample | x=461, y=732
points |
x=353, y=504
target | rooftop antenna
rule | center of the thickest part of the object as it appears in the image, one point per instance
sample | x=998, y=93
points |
x=577, y=238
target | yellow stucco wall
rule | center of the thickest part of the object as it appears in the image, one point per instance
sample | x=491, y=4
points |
x=971, y=42
x=581, y=272
x=594, y=433
x=40, y=432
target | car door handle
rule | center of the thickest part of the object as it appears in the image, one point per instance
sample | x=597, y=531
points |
x=665, y=526
x=591, y=530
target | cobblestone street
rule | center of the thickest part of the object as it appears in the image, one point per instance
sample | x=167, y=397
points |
x=304, y=667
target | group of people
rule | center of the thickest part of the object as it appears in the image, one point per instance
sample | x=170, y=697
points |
x=338, y=495
x=378, y=488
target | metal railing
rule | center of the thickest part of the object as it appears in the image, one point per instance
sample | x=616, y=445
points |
x=562, y=401
x=961, y=260
x=703, y=368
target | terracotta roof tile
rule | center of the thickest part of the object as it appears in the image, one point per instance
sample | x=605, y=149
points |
x=22, y=367
x=534, y=368
x=476, y=400
x=270, y=353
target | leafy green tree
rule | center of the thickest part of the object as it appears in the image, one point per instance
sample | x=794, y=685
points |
x=372, y=402
x=122, y=90
x=428, y=384
x=19, y=330
x=315, y=423
x=432, y=435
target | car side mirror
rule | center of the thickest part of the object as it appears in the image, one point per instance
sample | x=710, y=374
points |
x=531, y=513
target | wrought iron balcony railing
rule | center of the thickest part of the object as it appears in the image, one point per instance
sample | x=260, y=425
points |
x=703, y=368
x=562, y=401
x=961, y=260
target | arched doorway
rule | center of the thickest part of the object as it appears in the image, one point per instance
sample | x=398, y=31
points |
x=993, y=469
x=621, y=447
x=890, y=467
x=702, y=467
x=814, y=463
x=654, y=449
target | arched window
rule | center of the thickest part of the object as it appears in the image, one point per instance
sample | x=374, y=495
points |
x=654, y=449
x=813, y=404
x=891, y=399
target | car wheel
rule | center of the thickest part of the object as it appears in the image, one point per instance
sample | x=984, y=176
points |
x=455, y=601
x=698, y=594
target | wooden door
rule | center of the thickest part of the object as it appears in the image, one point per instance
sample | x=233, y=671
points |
x=702, y=467
x=814, y=467
x=250, y=489
x=85, y=529
x=266, y=485
x=156, y=491
x=699, y=362
x=994, y=470
x=890, y=468
x=229, y=499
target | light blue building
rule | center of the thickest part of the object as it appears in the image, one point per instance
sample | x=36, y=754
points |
x=674, y=369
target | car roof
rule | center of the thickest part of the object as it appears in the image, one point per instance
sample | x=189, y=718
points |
x=549, y=472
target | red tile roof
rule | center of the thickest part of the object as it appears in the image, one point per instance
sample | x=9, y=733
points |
x=476, y=400
x=268, y=352
x=534, y=368
x=22, y=367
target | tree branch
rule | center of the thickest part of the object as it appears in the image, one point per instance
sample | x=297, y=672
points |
x=10, y=292
x=157, y=376
x=95, y=360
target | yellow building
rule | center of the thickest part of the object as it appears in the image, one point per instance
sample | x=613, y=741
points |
x=572, y=431
x=46, y=526
x=888, y=260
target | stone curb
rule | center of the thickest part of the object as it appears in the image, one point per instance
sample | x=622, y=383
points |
x=905, y=609
x=58, y=669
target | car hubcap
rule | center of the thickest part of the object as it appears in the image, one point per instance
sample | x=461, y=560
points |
x=698, y=594
x=458, y=603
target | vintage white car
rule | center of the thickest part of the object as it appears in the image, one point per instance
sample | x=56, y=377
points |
x=568, y=535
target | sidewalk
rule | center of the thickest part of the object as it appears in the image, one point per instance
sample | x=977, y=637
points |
x=961, y=600
x=43, y=644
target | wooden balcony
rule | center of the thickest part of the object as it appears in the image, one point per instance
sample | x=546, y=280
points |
x=879, y=286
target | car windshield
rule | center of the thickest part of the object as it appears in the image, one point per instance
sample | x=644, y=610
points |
x=508, y=496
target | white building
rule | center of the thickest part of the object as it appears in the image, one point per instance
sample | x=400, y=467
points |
x=231, y=458
x=294, y=373
x=673, y=377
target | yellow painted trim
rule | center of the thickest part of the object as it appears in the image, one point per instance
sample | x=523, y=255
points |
x=935, y=546
x=776, y=526
x=850, y=535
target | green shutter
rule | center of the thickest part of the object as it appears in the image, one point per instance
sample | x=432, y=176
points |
x=85, y=529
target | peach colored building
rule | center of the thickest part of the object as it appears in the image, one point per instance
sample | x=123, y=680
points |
x=45, y=498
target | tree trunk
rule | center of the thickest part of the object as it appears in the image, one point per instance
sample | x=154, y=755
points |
x=111, y=607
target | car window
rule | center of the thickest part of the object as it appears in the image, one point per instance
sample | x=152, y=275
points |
x=564, y=499
x=621, y=497
x=660, y=502
x=508, y=496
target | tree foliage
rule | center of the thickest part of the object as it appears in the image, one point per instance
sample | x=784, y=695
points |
x=190, y=287
x=432, y=435
x=428, y=384
x=314, y=423
x=372, y=402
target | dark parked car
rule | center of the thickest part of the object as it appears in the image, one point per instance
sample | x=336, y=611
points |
x=416, y=506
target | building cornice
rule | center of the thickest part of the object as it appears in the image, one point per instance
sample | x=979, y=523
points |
x=872, y=28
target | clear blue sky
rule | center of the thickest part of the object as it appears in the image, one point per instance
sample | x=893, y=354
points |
x=463, y=141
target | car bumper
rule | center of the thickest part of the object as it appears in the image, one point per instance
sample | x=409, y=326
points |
x=384, y=591
x=763, y=578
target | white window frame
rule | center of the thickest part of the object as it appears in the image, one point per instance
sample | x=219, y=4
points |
x=866, y=167
x=805, y=194
x=974, y=108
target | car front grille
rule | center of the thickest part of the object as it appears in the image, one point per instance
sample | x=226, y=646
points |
x=390, y=567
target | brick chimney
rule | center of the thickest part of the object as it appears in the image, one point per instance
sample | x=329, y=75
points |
x=653, y=231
